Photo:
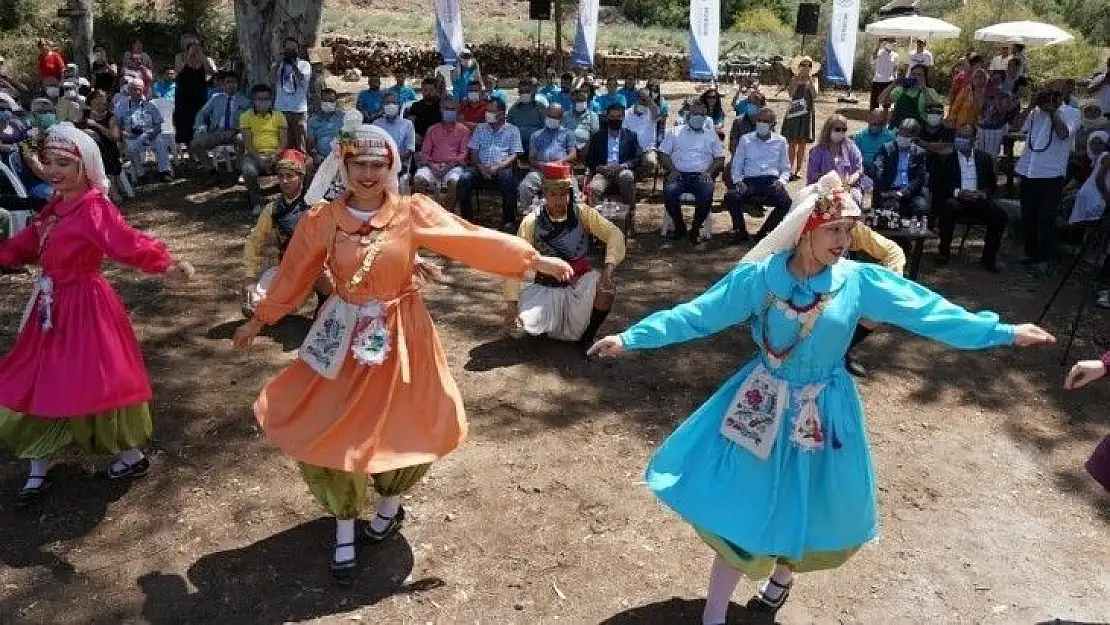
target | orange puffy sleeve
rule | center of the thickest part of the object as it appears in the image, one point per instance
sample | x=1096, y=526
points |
x=480, y=248
x=303, y=261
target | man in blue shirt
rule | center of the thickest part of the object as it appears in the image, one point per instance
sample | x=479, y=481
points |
x=601, y=102
x=369, y=101
x=217, y=122
x=900, y=173
x=629, y=91
x=324, y=125
x=141, y=126
x=493, y=93
x=494, y=149
x=871, y=140
x=551, y=88
x=551, y=144
x=405, y=94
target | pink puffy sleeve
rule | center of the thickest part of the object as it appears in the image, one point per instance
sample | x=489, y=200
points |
x=119, y=241
x=22, y=249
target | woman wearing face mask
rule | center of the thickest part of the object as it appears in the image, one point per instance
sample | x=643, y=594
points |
x=910, y=97
x=800, y=125
x=75, y=333
x=834, y=152
x=774, y=471
x=378, y=404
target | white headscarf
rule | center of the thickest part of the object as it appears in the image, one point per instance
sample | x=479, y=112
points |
x=332, y=170
x=785, y=236
x=90, y=152
x=1098, y=134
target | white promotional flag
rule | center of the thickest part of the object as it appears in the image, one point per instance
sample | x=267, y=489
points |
x=840, y=50
x=585, y=40
x=449, y=32
x=705, y=38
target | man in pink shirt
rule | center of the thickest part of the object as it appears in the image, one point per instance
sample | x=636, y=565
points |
x=443, y=155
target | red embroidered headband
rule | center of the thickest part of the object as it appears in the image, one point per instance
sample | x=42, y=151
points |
x=832, y=205
x=66, y=147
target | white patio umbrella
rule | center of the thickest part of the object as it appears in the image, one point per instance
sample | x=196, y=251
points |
x=1027, y=33
x=913, y=26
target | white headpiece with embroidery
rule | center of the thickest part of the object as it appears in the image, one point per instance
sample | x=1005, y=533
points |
x=834, y=201
x=353, y=141
x=66, y=138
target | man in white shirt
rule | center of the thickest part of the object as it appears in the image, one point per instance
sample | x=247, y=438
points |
x=692, y=157
x=1043, y=169
x=886, y=64
x=922, y=56
x=761, y=169
x=292, y=78
x=401, y=130
x=640, y=119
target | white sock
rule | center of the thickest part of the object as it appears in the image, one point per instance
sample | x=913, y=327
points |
x=387, y=509
x=37, y=473
x=722, y=581
x=783, y=575
x=127, y=457
x=344, y=534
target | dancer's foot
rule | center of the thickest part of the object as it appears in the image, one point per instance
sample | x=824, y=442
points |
x=127, y=466
x=382, y=527
x=772, y=596
x=34, y=489
x=344, y=564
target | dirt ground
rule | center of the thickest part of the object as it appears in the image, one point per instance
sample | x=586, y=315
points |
x=542, y=516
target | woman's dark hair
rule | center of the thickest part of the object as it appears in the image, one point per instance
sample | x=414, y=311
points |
x=712, y=109
x=925, y=70
x=260, y=89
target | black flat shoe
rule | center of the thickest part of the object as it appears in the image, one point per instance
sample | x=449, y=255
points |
x=394, y=526
x=128, y=471
x=28, y=496
x=345, y=572
x=762, y=604
x=854, y=367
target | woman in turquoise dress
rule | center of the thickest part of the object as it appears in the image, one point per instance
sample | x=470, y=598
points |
x=774, y=471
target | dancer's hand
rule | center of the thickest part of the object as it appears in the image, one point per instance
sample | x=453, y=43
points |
x=1083, y=373
x=244, y=336
x=555, y=267
x=608, y=347
x=1029, y=335
x=182, y=271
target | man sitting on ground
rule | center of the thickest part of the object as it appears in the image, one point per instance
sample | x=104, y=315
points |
x=761, y=169
x=553, y=144
x=613, y=158
x=443, y=154
x=900, y=173
x=965, y=185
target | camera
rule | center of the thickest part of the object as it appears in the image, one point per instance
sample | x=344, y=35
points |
x=1048, y=99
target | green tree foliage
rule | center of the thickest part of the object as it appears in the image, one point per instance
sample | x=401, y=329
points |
x=16, y=13
x=676, y=13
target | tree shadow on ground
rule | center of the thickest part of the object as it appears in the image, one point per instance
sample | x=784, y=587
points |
x=290, y=332
x=295, y=563
x=676, y=610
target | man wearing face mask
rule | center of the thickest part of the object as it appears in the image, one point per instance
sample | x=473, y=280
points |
x=217, y=122
x=369, y=100
x=141, y=125
x=612, y=95
x=936, y=136
x=900, y=173
x=613, y=158
x=552, y=144
x=692, y=157
x=1043, y=167
x=640, y=119
x=401, y=130
x=870, y=140
x=494, y=149
x=292, y=79
x=472, y=110
x=886, y=63
x=424, y=113
x=746, y=110
x=69, y=105
x=265, y=133
x=443, y=154
x=965, y=185
x=528, y=112
x=761, y=169
x=580, y=120
x=324, y=125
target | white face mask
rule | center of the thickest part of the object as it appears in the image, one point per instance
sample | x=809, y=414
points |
x=889, y=46
x=640, y=109
x=933, y=119
x=468, y=63
x=836, y=136
x=491, y=118
x=526, y=98
x=551, y=123
x=580, y=107
x=391, y=110
x=763, y=128
x=327, y=107
x=473, y=96
x=52, y=92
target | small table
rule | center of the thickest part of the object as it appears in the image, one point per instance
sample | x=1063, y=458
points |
x=916, y=242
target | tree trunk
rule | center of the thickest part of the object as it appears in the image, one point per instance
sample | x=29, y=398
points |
x=263, y=24
x=81, y=24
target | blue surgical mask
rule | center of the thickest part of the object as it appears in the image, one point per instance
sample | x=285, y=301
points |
x=47, y=120
x=696, y=122
x=449, y=115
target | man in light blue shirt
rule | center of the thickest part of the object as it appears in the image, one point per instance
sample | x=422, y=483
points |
x=401, y=130
x=579, y=119
x=871, y=140
x=217, y=122
x=602, y=101
x=141, y=126
x=552, y=144
x=760, y=170
x=630, y=92
x=324, y=125
x=494, y=149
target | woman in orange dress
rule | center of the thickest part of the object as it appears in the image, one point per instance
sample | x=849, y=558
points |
x=371, y=393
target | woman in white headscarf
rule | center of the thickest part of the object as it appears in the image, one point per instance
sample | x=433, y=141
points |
x=774, y=470
x=75, y=374
x=371, y=397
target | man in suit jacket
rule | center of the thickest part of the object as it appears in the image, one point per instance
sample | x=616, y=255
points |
x=901, y=173
x=965, y=185
x=613, y=157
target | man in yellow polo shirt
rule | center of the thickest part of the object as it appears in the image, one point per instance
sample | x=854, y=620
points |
x=265, y=134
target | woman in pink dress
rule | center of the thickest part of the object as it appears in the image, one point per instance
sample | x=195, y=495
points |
x=75, y=375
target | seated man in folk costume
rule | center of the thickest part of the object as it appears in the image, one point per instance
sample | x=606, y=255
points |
x=565, y=311
x=273, y=231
